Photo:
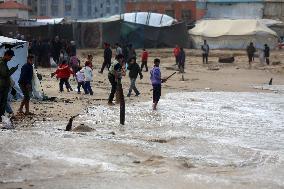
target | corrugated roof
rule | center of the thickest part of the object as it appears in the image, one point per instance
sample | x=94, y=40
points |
x=13, y=5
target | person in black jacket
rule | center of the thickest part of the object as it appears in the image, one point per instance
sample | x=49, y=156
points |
x=107, y=58
x=25, y=83
x=181, y=60
x=266, y=53
x=134, y=70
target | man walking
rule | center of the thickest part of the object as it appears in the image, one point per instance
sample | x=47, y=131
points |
x=205, y=52
x=181, y=60
x=266, y=53
x=250, y=52
x=5, y=79
x=57, y=46
x=107, y=57
x=25, y=83
x=134, y=70
x=114, y=76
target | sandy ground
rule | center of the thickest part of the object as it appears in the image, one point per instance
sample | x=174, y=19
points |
x=236, y=77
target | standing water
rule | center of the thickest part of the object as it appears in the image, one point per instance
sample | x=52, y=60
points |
x=200, y=139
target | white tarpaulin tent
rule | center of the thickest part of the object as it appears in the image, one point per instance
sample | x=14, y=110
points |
x=146, y=18
x=21, y=52
x=232, y=34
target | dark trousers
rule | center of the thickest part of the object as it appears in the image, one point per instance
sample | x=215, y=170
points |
x=3, y=100
x=144, y=63
x=205, y=58
x=80, y=84
x=181, y=67
x=267, y=60
x=113, y=83
x=156, y=93
x=250, y=57
x=62, y=82
x=177, y=60
x=88, y=88
x=107, y=64
x=133, y=87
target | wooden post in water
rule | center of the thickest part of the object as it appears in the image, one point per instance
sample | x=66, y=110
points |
x=122, y=103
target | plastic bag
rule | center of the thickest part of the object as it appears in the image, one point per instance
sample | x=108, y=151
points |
x=52, y=63
x=6, y=122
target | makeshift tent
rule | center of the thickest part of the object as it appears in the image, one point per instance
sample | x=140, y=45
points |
x=141, y=29
x=232, y=34
x=145, y=18
x=20, y=49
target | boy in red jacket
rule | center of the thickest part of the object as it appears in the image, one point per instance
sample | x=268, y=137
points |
x=63, y=73
x=144, y=59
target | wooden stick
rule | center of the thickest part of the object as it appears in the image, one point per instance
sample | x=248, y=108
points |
x=168, y=77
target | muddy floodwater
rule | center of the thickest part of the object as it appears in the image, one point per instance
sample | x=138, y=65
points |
x=194, y=140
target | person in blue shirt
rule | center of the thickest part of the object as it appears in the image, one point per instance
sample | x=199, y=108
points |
x=25, y=83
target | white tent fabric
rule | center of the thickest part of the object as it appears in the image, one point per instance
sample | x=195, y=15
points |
x=232, y=34
x=21, y=52
x=146, y=18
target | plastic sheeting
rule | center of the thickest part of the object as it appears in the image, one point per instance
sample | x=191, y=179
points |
x=21, y=52
x=148, y=18
x=91, y=35
x=232, y=34
x=145, y=18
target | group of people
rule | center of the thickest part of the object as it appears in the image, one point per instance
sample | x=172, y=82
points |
x=57, y=49
x=125, y=59
x=264, y=53
x=7, y=84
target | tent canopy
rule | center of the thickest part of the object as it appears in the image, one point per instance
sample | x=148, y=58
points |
x=232, y=34
x=218, y=28
x=145, y=18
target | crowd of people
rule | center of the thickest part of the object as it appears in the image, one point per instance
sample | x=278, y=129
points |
x=68, y=64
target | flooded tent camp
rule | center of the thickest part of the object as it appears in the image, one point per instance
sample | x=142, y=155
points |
x=142, y=94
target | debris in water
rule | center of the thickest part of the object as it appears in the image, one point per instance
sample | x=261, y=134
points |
x=270, y=82
x=69, y=125
x=83, y=128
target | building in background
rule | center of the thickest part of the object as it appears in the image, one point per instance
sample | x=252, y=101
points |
x=13, y=10
x=234, y=9
x=79, y=9
x=181, y=10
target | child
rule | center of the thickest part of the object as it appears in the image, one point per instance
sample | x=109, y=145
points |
x=88, y=73
x=89, y=61
x=74, y=63
x=156, y=82
x=133, y=73
x=80, y=79
x=144, y=59
x=63, y=72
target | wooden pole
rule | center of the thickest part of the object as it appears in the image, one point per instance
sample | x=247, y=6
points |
x=122, y=104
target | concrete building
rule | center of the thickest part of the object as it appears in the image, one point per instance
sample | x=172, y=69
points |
x=79, y=9
x=181, y=10
x=12, y=10
x=274, y=9
x=234, y=9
